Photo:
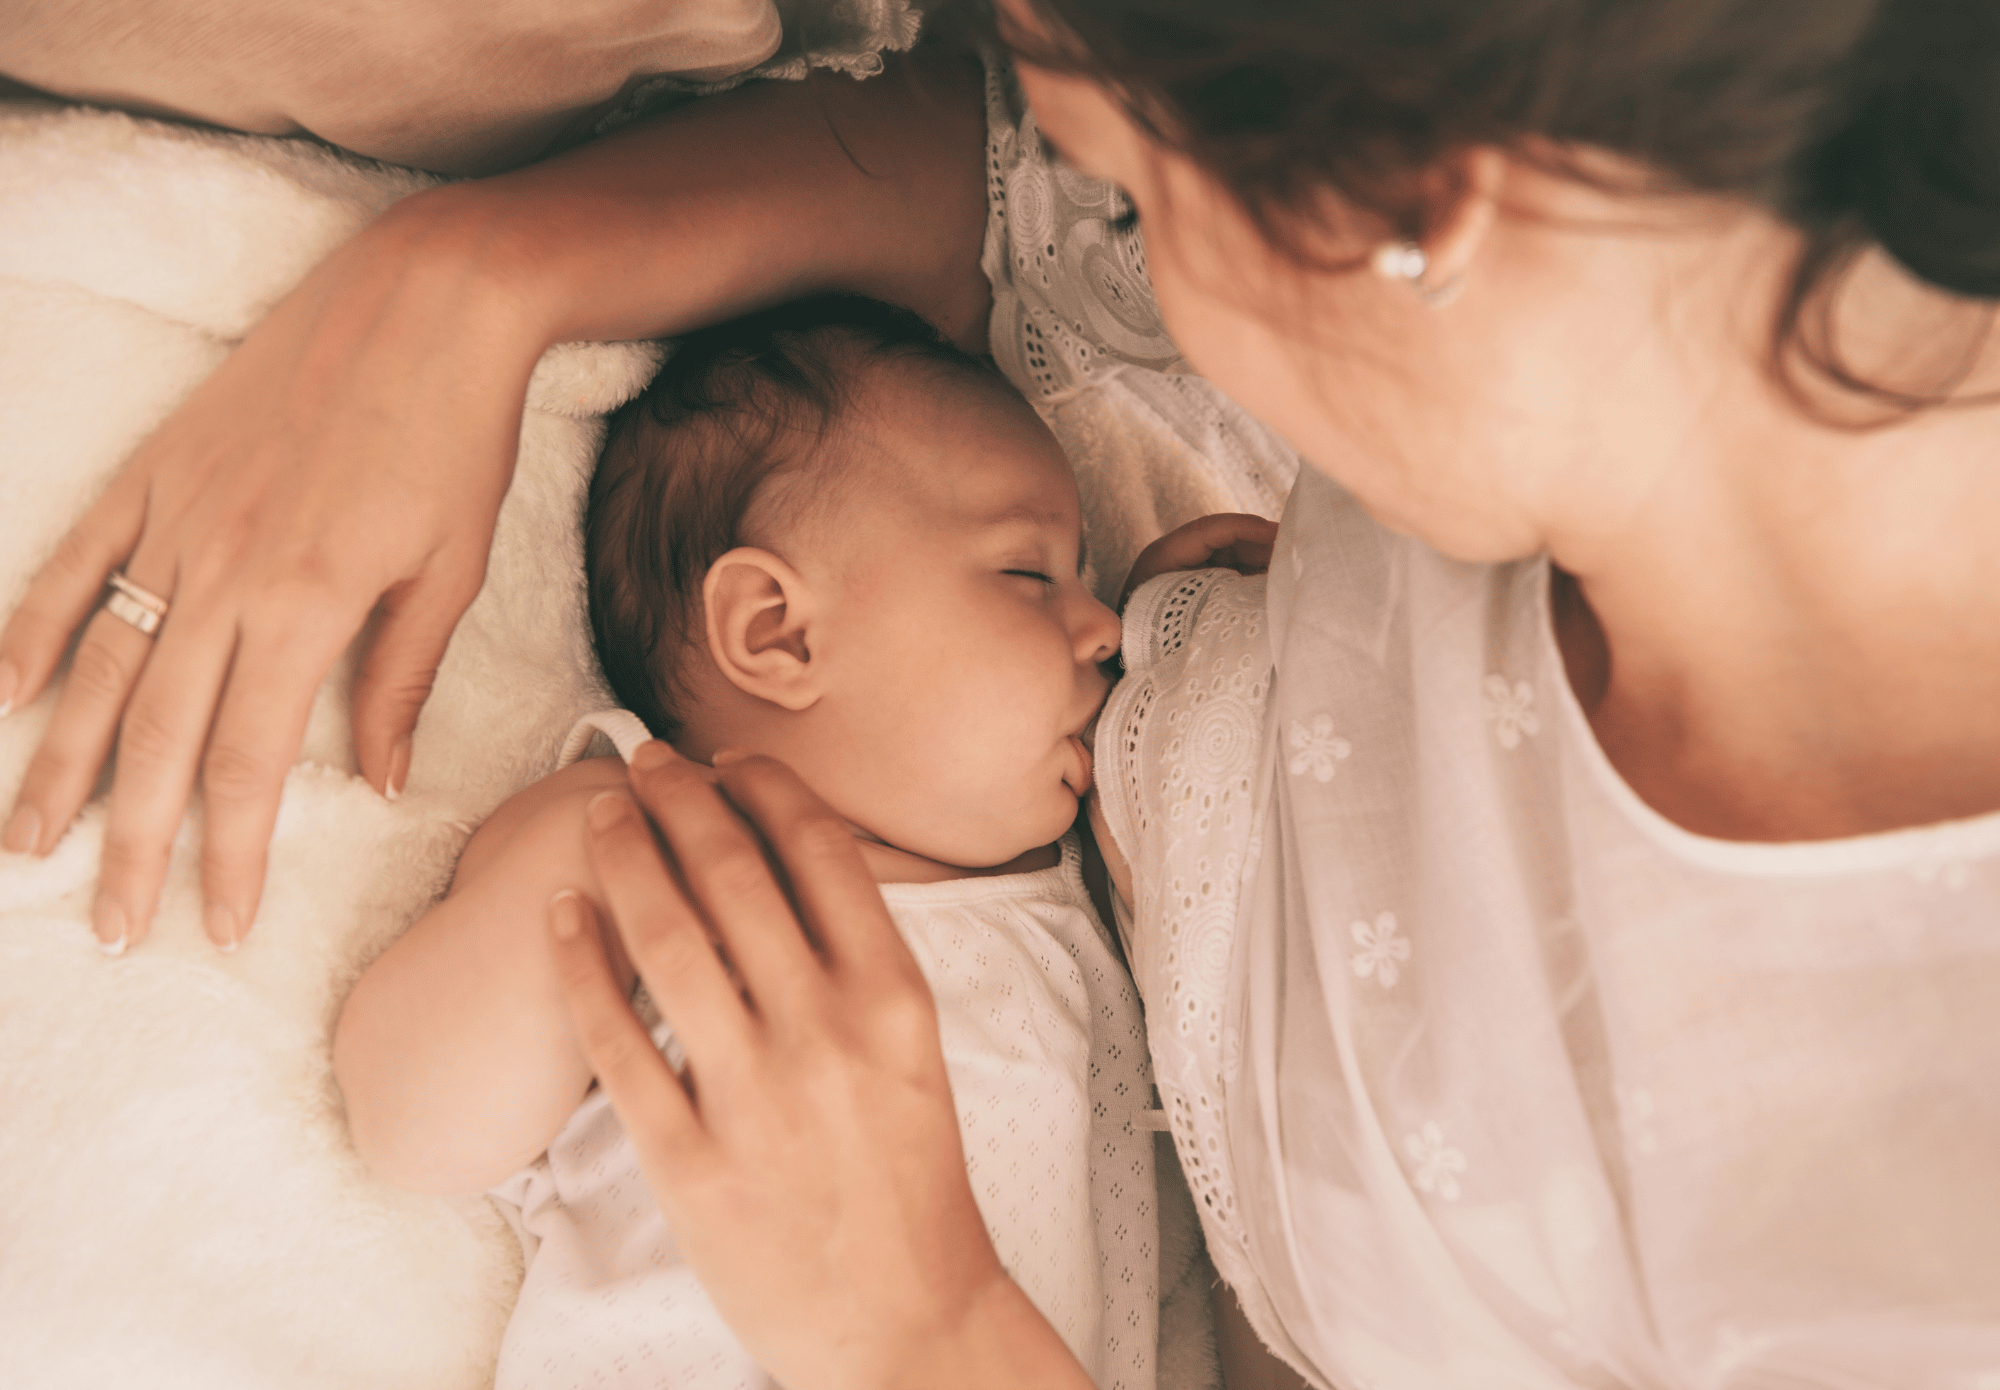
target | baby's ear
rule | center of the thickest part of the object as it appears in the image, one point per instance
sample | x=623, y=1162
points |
x=759, y=612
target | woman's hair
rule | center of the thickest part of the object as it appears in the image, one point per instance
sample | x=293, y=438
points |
x=735, y=435
x=1857, y=121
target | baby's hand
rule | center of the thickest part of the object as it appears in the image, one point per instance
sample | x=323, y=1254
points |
x=1226, y=540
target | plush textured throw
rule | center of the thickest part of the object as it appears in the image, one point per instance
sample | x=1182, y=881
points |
x=179, y=1203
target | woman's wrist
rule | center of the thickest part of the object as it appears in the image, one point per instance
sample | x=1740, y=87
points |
x=873, y=187
x=463, y=257
x=1001, y=1342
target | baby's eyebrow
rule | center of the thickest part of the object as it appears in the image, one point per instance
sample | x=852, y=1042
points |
x=1035, y=517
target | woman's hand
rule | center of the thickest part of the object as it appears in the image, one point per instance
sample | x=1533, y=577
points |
x=809, y=1159
x=1224, y=540
x=348, y=459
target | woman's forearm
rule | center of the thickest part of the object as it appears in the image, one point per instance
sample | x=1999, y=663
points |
x=763, y=194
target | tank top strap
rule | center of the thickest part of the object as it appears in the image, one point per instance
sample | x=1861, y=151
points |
x=624, y=728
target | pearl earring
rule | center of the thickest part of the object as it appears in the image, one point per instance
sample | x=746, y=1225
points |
x=1407, y=261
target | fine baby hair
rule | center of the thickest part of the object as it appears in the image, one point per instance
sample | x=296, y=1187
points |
x=735, y=439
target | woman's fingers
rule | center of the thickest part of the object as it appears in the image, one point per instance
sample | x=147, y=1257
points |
x=79, y=735
x=836, y=896
x=413, y=626
x=812, y=1172
x=59, y=601
x=62, y=593
x=648, y=1097
x=666, y=938
x=260, y=718
x=725, y=868
x=159, y=745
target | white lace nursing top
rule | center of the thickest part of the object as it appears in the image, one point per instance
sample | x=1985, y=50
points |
x=1045, y=1050
x=1075, y=328
x=1485, y=1075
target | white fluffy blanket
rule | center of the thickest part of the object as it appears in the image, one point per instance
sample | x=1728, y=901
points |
x=179, y=1203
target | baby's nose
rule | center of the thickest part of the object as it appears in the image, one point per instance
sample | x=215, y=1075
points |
x=1098, y=634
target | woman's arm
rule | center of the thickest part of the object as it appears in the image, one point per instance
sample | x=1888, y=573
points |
x=349, y=459
x=810, y=1165
x=454, y=1053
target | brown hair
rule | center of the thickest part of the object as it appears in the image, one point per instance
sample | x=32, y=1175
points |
x=736, y=408
x=1859, y=121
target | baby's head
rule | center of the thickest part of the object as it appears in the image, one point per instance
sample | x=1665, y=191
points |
x=825, y=534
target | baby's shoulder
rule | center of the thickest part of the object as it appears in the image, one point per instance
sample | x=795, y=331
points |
x=544, y=818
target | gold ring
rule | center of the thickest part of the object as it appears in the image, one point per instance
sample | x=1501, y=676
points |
x=142, y=608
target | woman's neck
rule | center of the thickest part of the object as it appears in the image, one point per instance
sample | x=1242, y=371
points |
x=1798, y=635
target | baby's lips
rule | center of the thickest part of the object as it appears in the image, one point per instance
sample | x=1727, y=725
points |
x=1087, y=735
x=1084, y=781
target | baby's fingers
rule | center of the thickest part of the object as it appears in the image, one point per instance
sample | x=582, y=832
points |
x=1245, y=555
x=1224, y=540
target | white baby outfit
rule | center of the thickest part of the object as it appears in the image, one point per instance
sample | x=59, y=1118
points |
x=1484, y=1074
x=1045, y=1049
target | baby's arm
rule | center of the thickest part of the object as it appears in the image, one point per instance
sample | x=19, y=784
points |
x=454, y=1052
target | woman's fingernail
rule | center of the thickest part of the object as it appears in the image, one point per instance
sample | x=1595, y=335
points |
x=651, y=754
x=399, y=769
x=107, y=919
x=10, y=682
x=605, y=810
x=725, y=756
x=222, y=927
x=563, y=913
x=24, y=831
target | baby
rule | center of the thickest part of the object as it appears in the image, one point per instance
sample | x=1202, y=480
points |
x=825, y=535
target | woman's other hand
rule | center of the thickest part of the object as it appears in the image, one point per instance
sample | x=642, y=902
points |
x=1224, y=540
x=808, y=1159
x=349, y=458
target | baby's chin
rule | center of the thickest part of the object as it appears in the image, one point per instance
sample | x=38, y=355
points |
x=1008, y=849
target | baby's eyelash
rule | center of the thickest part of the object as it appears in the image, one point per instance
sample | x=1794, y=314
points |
x=1031, y=574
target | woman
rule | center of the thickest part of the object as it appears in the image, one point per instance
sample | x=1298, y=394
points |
x=1606, y=959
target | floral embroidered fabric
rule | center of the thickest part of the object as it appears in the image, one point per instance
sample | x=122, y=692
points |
x=1482, y=1072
